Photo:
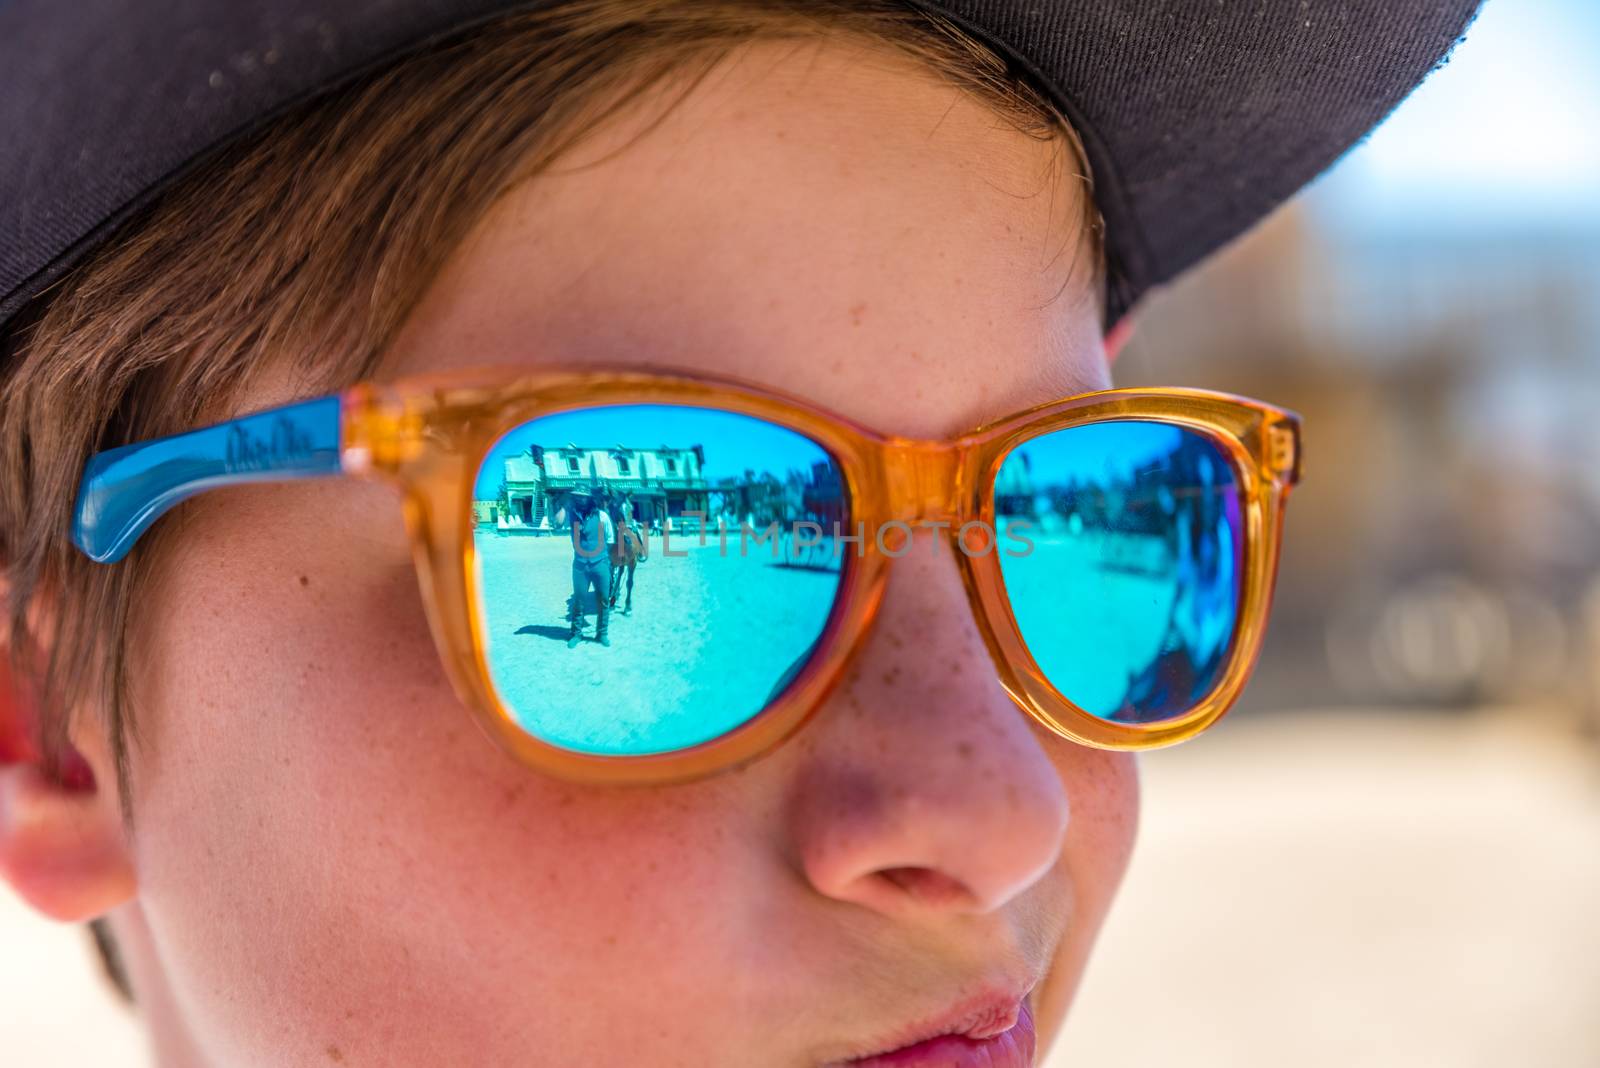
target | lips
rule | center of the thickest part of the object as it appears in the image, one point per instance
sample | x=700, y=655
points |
x=1002, y=1039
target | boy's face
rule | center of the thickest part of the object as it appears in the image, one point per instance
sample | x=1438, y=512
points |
x=335, y=866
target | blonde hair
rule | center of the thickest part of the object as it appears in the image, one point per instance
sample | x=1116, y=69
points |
x=309, y=241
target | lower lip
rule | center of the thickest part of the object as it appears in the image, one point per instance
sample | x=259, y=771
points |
x=1009, y=1049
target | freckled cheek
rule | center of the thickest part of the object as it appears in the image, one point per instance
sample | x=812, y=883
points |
x=317, y=789
x=1103, y=792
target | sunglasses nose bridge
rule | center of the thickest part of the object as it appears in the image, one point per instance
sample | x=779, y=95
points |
x=921, y=479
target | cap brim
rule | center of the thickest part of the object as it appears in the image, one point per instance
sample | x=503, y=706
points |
x=1198, y=118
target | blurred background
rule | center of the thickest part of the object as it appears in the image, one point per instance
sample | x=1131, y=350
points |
x=1389, y=853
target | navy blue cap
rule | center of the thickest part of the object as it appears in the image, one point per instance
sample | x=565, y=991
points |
x=1199, y=116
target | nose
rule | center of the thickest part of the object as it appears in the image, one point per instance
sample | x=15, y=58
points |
x=922, y=787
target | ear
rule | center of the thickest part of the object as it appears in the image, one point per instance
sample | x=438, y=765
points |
x=1117, y=337
x=62, y=843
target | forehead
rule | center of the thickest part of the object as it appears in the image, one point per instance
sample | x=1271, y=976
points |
x=826, y=217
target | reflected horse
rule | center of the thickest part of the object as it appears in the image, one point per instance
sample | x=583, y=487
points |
x=627, y=550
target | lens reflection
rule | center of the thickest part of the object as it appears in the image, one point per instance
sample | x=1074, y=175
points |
x=647, y=576
x=1127, y=592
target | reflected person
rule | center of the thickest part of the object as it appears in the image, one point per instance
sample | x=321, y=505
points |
x=592, y=534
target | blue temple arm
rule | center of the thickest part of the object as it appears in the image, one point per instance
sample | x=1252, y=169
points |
x=125, y=490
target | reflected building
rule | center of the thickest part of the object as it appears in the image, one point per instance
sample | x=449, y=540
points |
x=1013, y=489
x=662, y=483
x=753, y=498
x=760, y=499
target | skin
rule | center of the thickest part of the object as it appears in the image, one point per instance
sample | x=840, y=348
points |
x=331, y=864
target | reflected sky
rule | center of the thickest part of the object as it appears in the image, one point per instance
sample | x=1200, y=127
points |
x=1099, y=453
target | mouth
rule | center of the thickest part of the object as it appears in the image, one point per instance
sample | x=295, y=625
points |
x=995, y=1034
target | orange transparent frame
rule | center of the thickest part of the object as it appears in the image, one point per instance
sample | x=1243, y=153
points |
x=429, y=436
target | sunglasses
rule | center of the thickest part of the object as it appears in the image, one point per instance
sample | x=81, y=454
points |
x=639, y=575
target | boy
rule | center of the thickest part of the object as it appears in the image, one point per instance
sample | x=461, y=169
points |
x=834, y=244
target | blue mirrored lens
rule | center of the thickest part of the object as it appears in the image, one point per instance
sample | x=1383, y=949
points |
x=1123, y=564
x=650, y=577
